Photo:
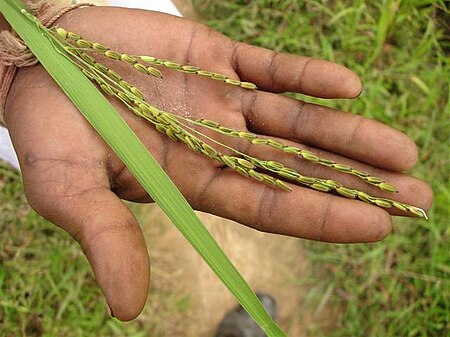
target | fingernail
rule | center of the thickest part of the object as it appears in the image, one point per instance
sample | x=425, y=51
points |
x=110, y=312
x=109, y=309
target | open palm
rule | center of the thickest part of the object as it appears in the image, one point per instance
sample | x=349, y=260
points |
x=73, y=178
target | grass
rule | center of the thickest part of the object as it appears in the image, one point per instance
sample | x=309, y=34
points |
x=399, y=287
x=47, y=287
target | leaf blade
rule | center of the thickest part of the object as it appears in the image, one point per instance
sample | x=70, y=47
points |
x=108, y=123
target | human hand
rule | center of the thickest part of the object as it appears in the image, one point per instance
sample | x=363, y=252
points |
x=72, y=177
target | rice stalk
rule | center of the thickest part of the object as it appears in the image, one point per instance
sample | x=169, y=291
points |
x=133, y=61
x=173, y=127
x=307, y=155
x=113, y=84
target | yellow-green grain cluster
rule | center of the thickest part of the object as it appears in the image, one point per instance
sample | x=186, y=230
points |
x=148, y=70
x=307, y=155
x=185, y=130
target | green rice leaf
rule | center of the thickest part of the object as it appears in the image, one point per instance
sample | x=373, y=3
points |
x=110, y=126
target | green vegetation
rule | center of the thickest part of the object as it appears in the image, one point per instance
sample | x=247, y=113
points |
x=47, y=287
x=401, y=286
x=398, y=287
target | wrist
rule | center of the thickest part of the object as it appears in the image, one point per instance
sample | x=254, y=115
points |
x=4, y=24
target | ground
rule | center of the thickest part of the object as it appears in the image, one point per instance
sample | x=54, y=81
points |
x=398, y=287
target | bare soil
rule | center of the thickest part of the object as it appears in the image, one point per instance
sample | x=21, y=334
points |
x=271, y=264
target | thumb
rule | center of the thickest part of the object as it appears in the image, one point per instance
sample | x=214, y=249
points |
x=110, y=237
x=65, y=172
x=114, y=245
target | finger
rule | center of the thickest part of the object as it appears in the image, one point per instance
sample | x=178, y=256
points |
x=279, y=72
x=104, y=227
x=336, y=131
x=302, y=213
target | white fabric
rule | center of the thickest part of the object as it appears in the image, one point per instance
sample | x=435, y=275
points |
x=6, y=149
x=165, y=6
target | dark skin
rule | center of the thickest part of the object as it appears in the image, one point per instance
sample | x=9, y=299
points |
x=72, y=177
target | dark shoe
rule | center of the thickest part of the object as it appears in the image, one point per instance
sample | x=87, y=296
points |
x=237, y=323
